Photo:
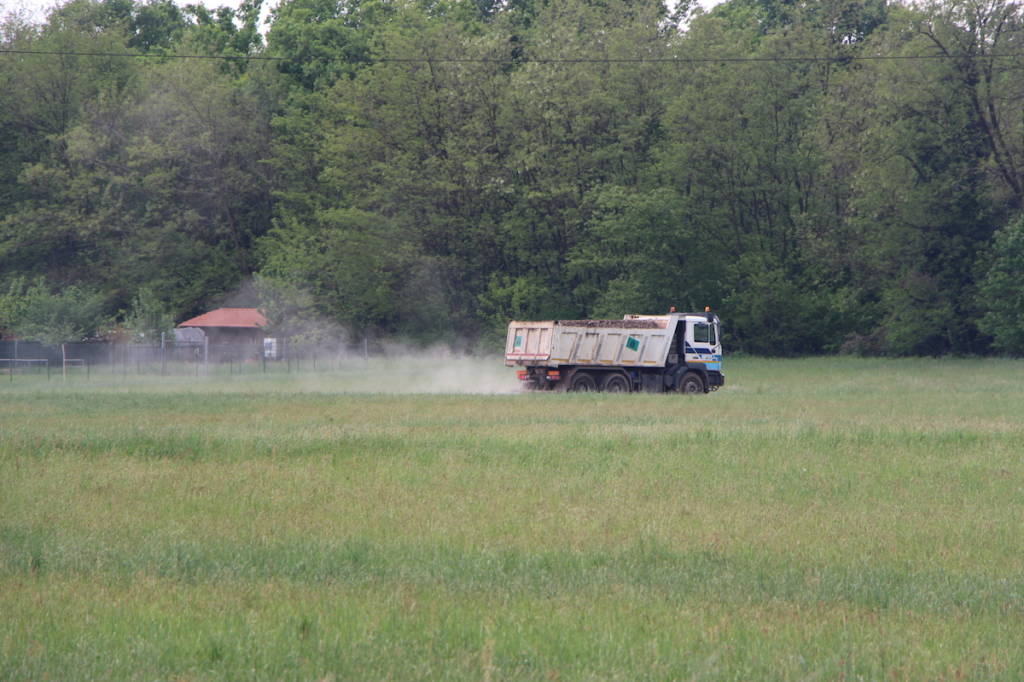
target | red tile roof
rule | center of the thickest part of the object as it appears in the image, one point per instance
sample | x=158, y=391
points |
x=228, y=317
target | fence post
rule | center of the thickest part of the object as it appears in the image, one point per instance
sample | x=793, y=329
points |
x=64, y=361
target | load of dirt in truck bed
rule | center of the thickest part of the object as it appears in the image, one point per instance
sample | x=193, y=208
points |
x=614, y=324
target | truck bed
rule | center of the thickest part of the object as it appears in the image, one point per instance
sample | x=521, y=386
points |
x=629, y=343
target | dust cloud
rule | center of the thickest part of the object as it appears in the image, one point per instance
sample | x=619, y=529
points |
x=401, y=370
x=317, y=354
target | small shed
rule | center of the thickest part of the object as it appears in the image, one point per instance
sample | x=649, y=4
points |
x=230, y=325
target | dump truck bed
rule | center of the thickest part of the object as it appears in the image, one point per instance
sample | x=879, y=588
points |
x=636, y=342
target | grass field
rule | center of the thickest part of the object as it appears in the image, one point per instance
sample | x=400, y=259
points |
x=815, y=519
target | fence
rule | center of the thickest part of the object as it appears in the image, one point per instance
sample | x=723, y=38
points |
x=198, y=359
x=12, y=366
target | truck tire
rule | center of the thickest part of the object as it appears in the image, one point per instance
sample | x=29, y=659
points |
x=691, y=384
x=615, y=383
x=582, y=382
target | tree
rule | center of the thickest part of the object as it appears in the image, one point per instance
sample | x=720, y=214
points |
x=43, y=94
x=1001, y=291
x=160, y=186
x=580, y=138
x=401, y=188
x=226, y=32
x=976, y=37
x=920, y=203
x=148, y=319
x=72, y=314
x=324, y=40
x=158, y=24
x=431, y=168
x=742, y=159
x=643, y=254
x=12, y=305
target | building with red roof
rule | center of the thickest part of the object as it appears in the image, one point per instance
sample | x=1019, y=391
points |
x=229, y=325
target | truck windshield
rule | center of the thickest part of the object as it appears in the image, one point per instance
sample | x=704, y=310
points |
x=714, y=335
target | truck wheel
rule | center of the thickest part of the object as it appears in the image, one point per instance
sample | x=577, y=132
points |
x=583, y=382
x=691, y=384
x=615, y=383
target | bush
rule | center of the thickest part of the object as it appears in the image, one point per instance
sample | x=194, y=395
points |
x=34, y=313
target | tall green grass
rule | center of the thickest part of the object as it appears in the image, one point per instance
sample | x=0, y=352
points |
x=827, y=518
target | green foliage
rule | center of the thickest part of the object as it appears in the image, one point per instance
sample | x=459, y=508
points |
x=642, y=253
x=919, y=319
x=433, y=168
x=919, y=200
x=224, y=31
x=158, y=24
x=522, y=298
x=45, y=95
x=158, y=186
x=324, y=39
x=1001, y=291
x=149, y=319
x=771, y=312
x=36, y=313
x=12, y=305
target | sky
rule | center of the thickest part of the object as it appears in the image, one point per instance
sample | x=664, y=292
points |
x=37, y=8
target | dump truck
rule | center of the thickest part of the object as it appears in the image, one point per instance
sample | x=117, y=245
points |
x=679, y=352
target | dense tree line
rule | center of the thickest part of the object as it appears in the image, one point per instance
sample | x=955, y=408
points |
x=843, y=175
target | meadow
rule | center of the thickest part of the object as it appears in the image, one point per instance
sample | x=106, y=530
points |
x=830, y=518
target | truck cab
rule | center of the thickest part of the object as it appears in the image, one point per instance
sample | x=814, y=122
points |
x=695, y=349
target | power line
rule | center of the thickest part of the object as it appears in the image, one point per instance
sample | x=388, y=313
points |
x=527, y=60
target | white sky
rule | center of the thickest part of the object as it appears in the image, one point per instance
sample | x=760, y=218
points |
x=37, y=9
